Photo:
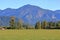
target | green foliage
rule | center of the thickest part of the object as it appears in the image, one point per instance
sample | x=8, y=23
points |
x=12, y=22
x=44, y=24
x=20, y=24
x=38, y=25
x=28, y=26
x=58, y=24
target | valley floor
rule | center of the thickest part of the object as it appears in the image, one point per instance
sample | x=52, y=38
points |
x=33, y=34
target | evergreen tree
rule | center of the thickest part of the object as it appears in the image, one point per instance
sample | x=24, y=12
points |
x=52, y=25
x=12, y=22
x=20, y=24
x=44, y=24
x=58, y=25
x=38, y=25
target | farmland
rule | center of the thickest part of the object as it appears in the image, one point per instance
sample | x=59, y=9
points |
x=32, y=34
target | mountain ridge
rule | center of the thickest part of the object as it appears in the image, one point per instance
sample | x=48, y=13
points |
x=31, y=14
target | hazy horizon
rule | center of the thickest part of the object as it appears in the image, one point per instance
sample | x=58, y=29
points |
x=46, y=4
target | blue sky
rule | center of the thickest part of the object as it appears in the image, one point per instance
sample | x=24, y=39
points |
x=46, y=4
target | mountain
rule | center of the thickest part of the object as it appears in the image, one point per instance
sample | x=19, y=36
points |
x=30, y=14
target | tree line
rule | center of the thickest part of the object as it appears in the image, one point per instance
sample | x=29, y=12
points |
x=39, y=25
x=47, y=25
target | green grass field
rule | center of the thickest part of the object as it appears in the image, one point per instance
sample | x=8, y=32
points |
x=29, y=34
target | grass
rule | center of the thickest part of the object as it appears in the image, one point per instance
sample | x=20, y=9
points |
x=30, y=34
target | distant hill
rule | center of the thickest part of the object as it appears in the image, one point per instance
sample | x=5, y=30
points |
x=30, y=14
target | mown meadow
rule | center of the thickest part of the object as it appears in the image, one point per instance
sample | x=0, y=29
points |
x=30, y=34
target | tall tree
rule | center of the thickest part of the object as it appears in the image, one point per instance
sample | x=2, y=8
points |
x=44, y=24
x=52, y=25
x=38, y=25
x=58, y=25
x=20, y=24
x=12, y=22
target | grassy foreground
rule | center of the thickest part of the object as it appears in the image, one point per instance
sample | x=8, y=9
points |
x=29, y=34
